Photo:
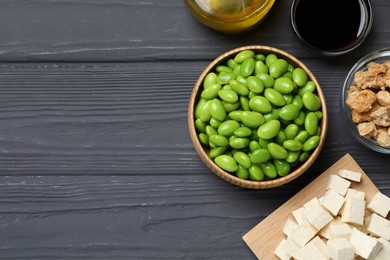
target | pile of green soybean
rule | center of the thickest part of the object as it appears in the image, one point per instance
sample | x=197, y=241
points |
x=258, y=116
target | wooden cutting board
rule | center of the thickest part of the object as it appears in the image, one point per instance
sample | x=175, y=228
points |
x=265, y=236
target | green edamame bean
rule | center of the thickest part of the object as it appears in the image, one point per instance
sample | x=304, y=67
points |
x=297, y=100
x=255, y=173
x=264, y=142
x=224, y=77
x=242, y=159
x=270, y=58
x=217, y=110
x=200, y=126
x=260, y=56
x=288, y=98
x=309, y=87
x=260, y=67
x=283, y=85
x=260, y=155
x=226, y=162
x=242, y=173
x=291, y=145
x=254, y=145
x=274, y=114
x=243, y=131
x=318, y=114
x=301, y=136
x=204, y=139
x=311, y=123
x=278, y=67
x=228, y=127
x=300, y=120
x=255, y=84
x=235, y=115
x=269, y=129
x=219, y=140
x=242, y=80
x=211, y=92
x=303, y=157
x=260, y=104
x=215, y=123
x=252, y=94
x=210, y=131
x=267, y=80
x=228, y=95
x=277, y=151
x=247, y=67
x=244, y=102
x=288, y=74
x=217, y=151
x=232, y=64
x=311, y=143
x=210, y=79
x=311, y=101
x=236, y=70
x=204, y=112
x=292, y=156
x=229, y=107
x=282, y=167
x=239, y=87
x=223, y=68
x=291, y=131
x=269, y=170
x=251, y=119
x=244, y=55
x=198, y=107
x=274, y=97
x=299, y=77
x=289, y=112
x=238, y=142
x=280, y=137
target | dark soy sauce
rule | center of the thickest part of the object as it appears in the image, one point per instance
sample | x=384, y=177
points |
x=330, y=25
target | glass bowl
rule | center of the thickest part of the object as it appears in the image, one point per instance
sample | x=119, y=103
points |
x=378, y=56
x=203, y=152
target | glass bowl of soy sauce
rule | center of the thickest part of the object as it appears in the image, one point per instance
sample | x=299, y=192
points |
x=331, y=27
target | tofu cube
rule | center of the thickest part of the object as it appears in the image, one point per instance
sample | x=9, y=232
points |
x=384, y=253
x=280, y=251
x=298, y=215
x=340, y=230
x=338, y=184
x=310, y=252
x=317, y=216
x=311, y=203
x=340, y=249
x=350, y=175
x=353, y=211
x=320, y=244
x=379, y=226
x=355, y=193
x=332, y=201
x=289, y=227
x=325, y=231
x=364, y=245
x=380, y=204
x=291, y=248
x=304, y=234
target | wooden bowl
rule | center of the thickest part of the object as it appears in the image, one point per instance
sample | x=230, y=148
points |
x=203, y=152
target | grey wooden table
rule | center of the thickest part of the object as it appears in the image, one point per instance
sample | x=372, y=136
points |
x=95, y=156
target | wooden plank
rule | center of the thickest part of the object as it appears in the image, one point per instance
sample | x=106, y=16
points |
x=266, y=235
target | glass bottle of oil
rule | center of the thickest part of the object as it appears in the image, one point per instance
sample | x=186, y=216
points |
x=229, y=16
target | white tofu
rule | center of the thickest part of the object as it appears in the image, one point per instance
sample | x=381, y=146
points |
x=310, y=252
x=384, y=253
x=289, y=227
x=332, y=201
x=340, y=230
x=320, y=244
x=340, y=249
x=350, y=175
x=379, y=226
x=364, y=245
x=298, y=215
x=280, y=251
x=303, y=234
x=380, y=204
x=292, y=248
x=325, y=231
x=353, y=212
x=317, y=216
x=355, y=193
x=338, y=184
x=311, y=203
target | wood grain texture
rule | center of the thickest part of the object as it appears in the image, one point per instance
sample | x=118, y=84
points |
x=95, y=157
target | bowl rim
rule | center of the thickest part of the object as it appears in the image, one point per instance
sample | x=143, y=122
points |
x=361, y=64
x=228, y=176
x=367, y=6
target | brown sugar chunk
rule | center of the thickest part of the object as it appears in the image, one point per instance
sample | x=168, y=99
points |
x=367, y=129
x=381, y=117
x=383, y=137
x=383, y=98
